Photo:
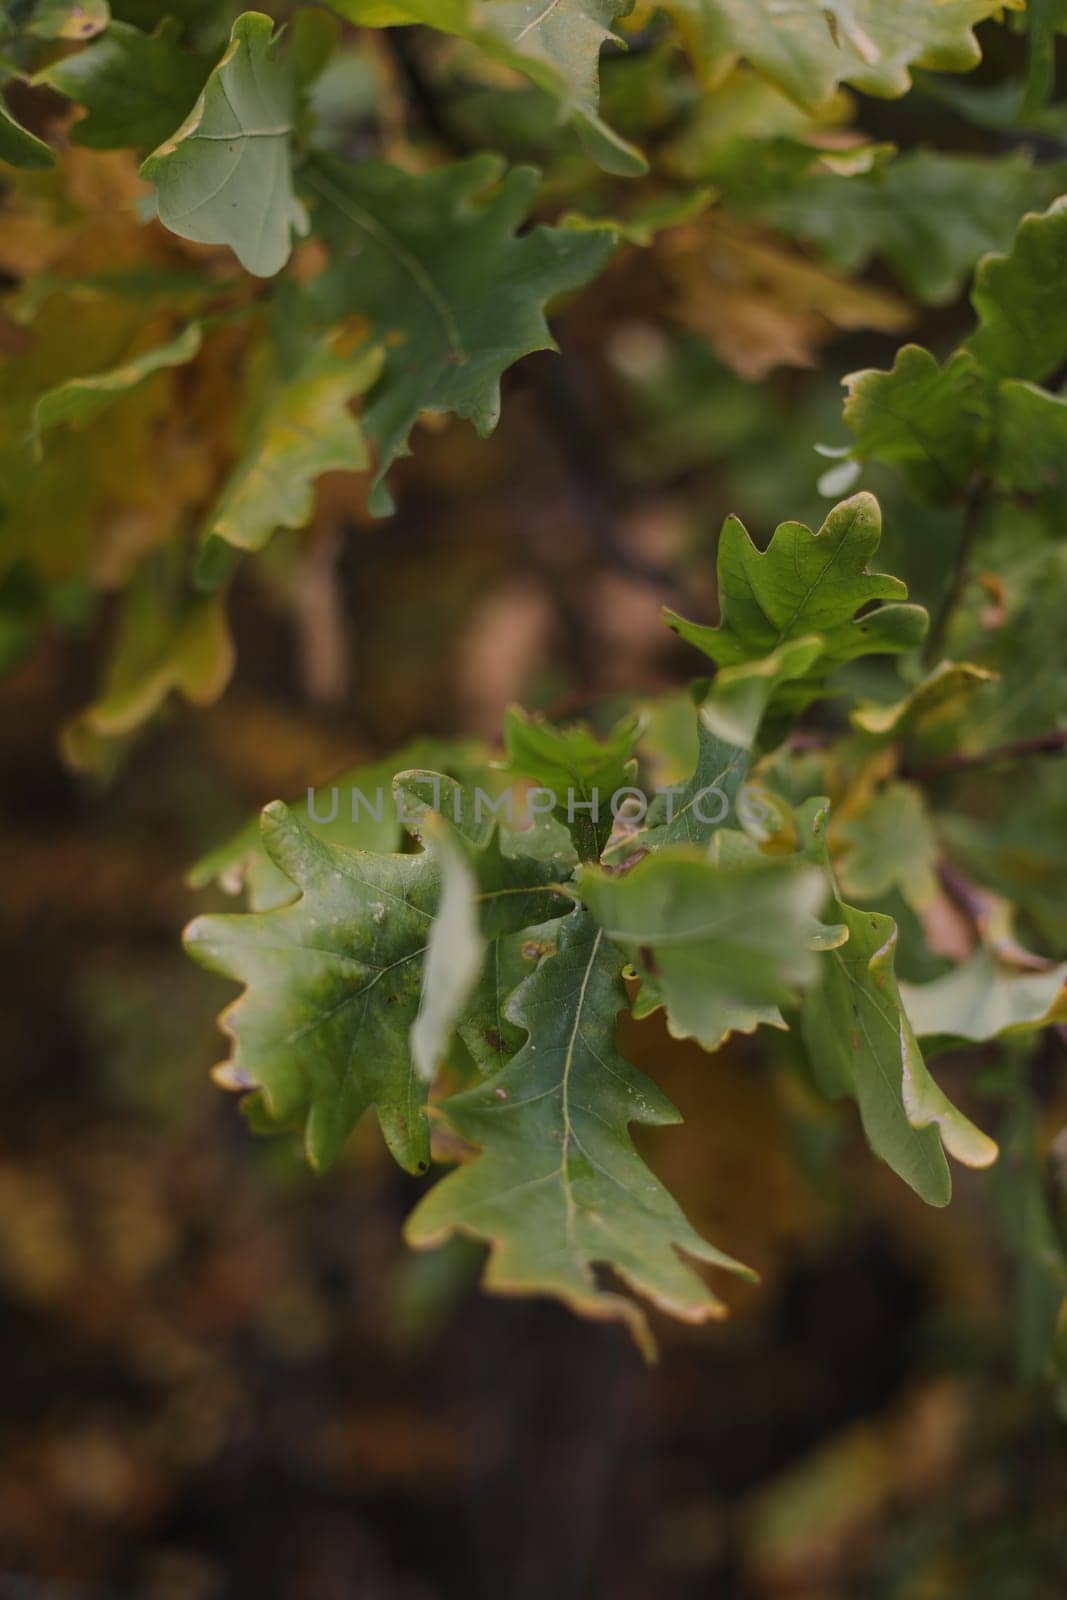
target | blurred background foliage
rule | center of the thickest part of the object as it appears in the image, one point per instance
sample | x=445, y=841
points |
x=223, y=1377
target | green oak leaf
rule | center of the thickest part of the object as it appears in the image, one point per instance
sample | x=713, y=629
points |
x=333, y=981
x=300, y=426
x=1030, y=439
x=1022, y=320
x=225, y=176
x=690, y=813
x=929, y=422
x=493, y=882
x=489, y=890
x=582, y=773
x=358, y=809
x=557, y=45
x=721, y=947
x=753, y=145
x=558, y=1187
x=727, y=725
x=434, y=266
x=806, y=584
x=928, y=214
x=981, y=412
x=332, y=984
x=860, y=1043
x=808, y=47
x=477, y=803
x=502, y=895
x=984, y=998
x=136, y=87
x=888, y=845
x=485, y=1026
x=739, y=696
x=79, y=400
x=645, y=221
x=19, y=147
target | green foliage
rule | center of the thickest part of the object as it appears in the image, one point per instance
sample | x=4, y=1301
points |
x=332, y=990
x=434, y=265
x=334, y=981
x=79, y=400
x=985, y=998
x=920, y=418
x=803, y=584
x=812, y=47
x=699, y=807
x=136, y=87
x=558, y=1187
x=557, y=46
x=888, y=845
x=300, y=427
x=166, y=641
x=582, y=772
x=54, y=19
x=928, y=215
x=980, y=415
x=720, y=936
x=225, y=175
x=721, y=946
x=1022, y=325
x=860, y=1042
x=324, y=250
x=241, y=863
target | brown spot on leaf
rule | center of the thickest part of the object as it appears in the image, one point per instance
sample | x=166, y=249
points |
x=534, y=949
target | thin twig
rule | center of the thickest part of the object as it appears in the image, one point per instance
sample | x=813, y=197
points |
x=1054, y=743
x=972, y=516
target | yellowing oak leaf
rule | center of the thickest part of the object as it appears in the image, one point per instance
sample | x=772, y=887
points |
x=300, y=426
x=164, y=645
x=987, y=997
x=79, y=400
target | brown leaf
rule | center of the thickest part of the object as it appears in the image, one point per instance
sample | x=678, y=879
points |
x=759, y=302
